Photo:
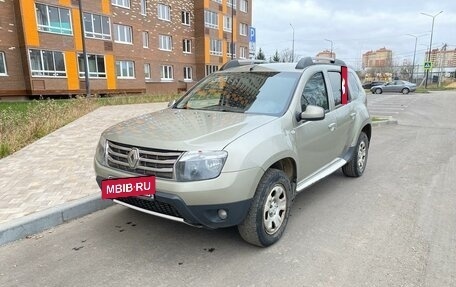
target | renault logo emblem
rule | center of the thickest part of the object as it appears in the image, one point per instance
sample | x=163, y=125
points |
x=133, y=157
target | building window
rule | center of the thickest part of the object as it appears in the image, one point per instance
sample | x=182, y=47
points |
x=147, y=71
x=121, y=3
x=97, y=26
x=186, y=18
x=145, y=39
x=243, y=29
x=227, y=24
x=165, y=42
x=244, y=6
x=210, y=19
x=164, y=12
x=188, y=74
x=96, y=66
x=53, y=19
x=216, y=47
x=187, y=46
x=218, y=1
x=211, y=69
x=143, y=7
x=47, y=63
x=231, y=3
x=123, y=34
x=166, y=73
x=2, y=64
x=125, y=69
x=243, y=53
x=229, y=48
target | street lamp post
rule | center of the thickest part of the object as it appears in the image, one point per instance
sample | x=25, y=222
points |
x=331, y=47
x=292, y=45
x=430, y=42
x=84, y=51
x=232, y=31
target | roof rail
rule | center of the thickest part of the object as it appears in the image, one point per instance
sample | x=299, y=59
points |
x=237, y=63
x=309, y=61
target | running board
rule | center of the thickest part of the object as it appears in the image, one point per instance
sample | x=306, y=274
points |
x=320, y=174
x=169, y=217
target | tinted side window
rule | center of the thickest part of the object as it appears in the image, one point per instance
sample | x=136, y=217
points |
x=315, y=93
x=353, y=86
x=336, y=84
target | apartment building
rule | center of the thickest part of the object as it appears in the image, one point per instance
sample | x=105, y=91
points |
x=442, y=58
x=377, y=59
x=132, y=46
x=326, y=54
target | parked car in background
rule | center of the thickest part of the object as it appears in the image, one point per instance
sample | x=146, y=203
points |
x=397, y=86
x=369, y=85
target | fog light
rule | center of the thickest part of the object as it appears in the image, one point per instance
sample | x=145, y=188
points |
x=222, y=213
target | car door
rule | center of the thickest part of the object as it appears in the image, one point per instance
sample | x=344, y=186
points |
x=344, y=114
x=389, y=87
x=315, y=139
x=395, y=86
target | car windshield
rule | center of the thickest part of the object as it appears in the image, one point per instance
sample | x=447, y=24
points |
x=243, y=92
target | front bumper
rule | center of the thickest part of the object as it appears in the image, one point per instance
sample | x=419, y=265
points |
x=195, y=203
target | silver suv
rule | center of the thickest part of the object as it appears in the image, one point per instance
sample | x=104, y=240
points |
x=237, y=148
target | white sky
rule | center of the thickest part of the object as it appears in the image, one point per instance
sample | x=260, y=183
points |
x=354, y=26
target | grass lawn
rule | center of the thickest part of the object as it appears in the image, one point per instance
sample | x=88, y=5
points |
x=21, y=123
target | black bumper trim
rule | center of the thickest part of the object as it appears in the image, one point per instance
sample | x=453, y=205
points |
x=198, y=215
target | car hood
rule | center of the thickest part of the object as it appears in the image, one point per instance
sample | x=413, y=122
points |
x=174, y=129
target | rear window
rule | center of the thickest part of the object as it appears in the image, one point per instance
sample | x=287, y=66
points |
x=243, y=92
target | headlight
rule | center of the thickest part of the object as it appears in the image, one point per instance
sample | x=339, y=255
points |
x=200, y=165
x=101, y=152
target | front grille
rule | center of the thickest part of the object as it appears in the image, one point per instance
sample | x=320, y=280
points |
x=152, y=205
x=151, y=161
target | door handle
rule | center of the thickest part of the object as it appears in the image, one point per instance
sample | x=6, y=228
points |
x=353, y=116
x=332, y=127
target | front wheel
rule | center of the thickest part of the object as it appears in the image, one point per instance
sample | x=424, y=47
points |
x=405, y=91
x=357, y=164
x=268, y=215
x=378, y=91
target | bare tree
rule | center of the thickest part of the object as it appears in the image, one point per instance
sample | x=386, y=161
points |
x=406, y=71
x=286, y=56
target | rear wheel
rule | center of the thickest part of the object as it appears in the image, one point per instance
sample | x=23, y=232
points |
x=357, y=164
x=378, y=91
x=268, y=215
x=405, y=91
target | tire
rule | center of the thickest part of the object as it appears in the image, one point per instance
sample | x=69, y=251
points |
x=357, y=164
x=378, y=91
x=268, y=215
x=405, y=91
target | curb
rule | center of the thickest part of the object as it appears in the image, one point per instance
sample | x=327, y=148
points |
x=34, y=223
x=386, y=121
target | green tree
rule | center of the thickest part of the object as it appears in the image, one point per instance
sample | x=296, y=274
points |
x=260, y=55
x=276, y=57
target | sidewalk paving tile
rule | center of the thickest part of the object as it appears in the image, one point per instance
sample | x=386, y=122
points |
x=58, y=168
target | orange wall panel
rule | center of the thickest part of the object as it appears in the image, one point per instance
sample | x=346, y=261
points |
x=66, y=3
x=110, y=72
x=77, y=31
x=207, y=55
x=106, y=7
x=71, y=62
x=29, y=23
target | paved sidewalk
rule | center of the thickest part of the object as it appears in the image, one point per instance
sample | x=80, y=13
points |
x=57, y=170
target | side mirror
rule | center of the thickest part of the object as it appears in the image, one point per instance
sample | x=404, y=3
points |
x=312, y=113
x=171, y=103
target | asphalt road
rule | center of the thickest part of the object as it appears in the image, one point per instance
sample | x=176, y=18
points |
x=395, y=226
